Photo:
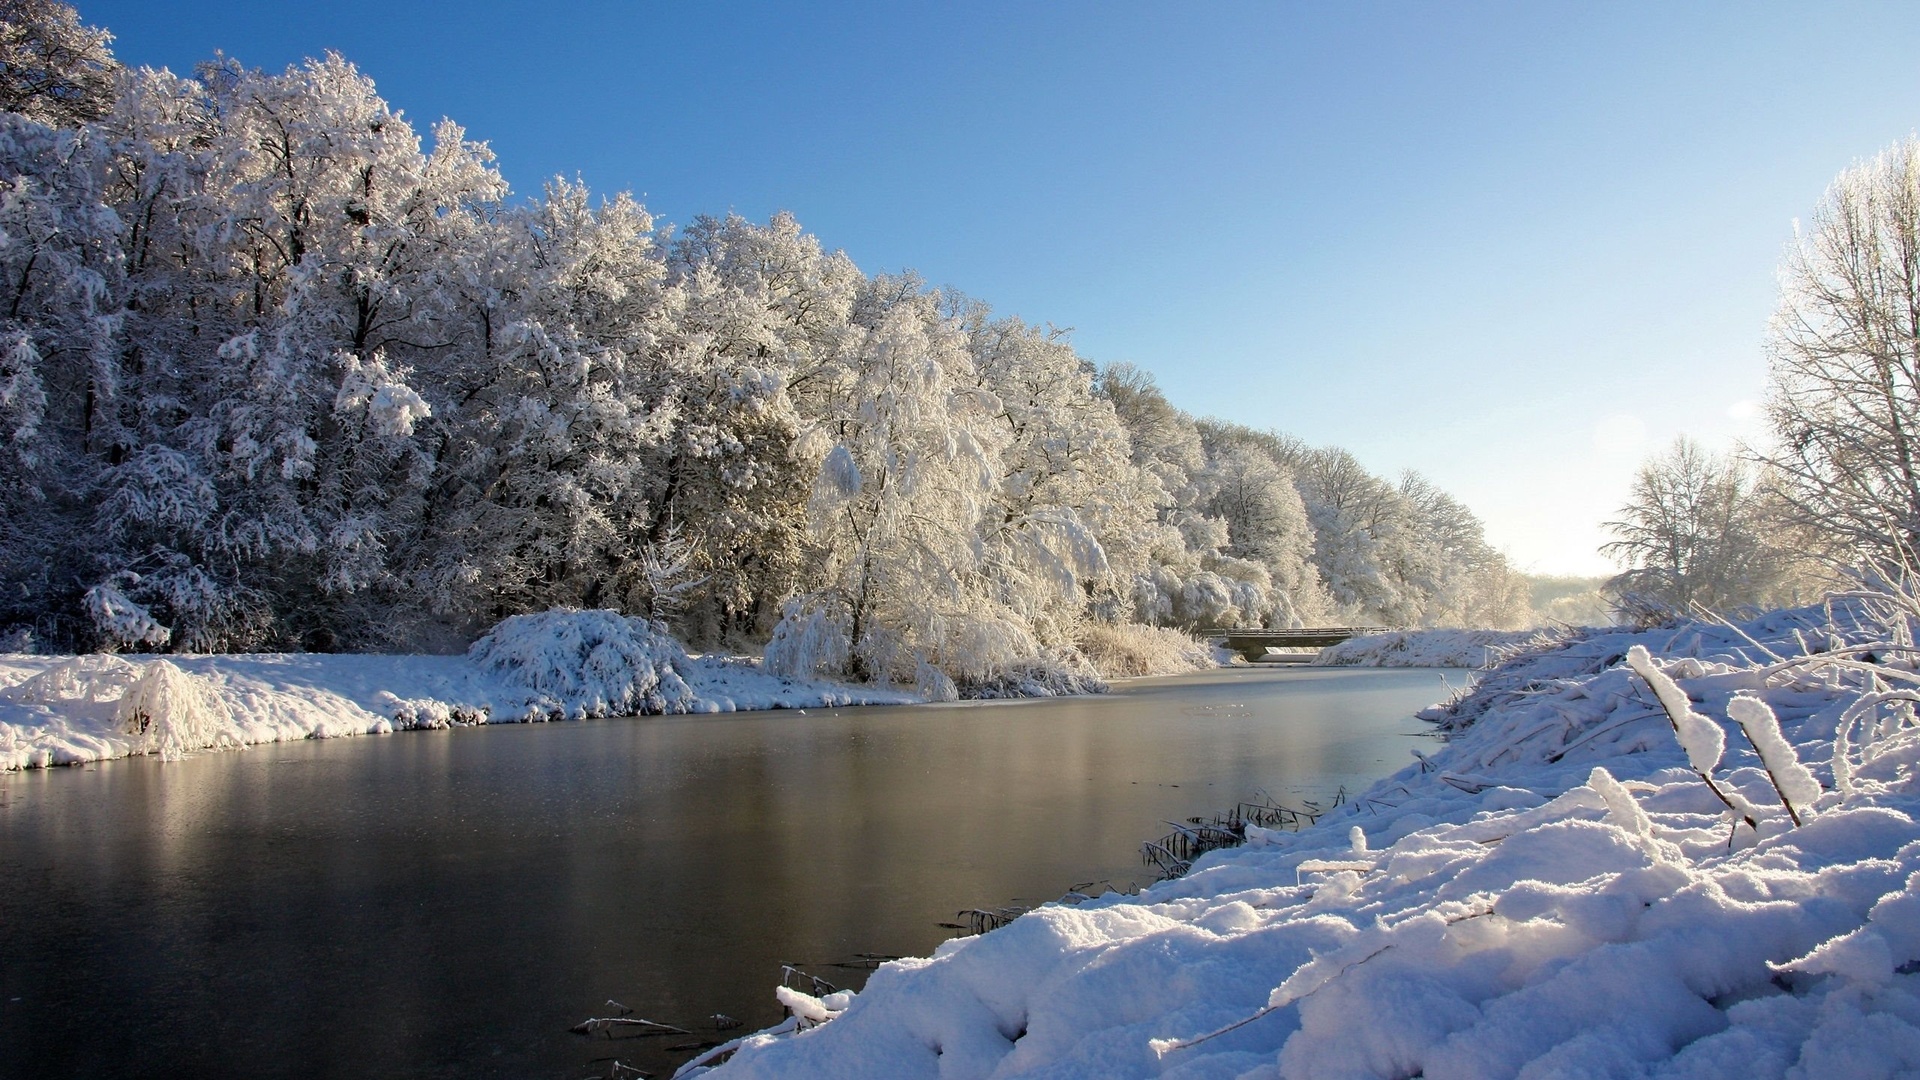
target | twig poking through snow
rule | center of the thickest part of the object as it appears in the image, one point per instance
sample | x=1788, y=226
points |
x=1792, y=780
x=1700, y=737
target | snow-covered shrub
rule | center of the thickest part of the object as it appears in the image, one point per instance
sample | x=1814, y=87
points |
x=1434, y=648
x=1056, y=673
x=1125, y=650
x=932, y=683
x=811, y=640
x=174, y=713
x=575, y=664
x=75, y=684
x=406, y=712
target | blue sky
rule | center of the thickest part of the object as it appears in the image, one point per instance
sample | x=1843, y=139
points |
x=1514, y=246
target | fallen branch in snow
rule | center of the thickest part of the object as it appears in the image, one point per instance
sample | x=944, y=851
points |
x=596, y=1024
x=619, y=1070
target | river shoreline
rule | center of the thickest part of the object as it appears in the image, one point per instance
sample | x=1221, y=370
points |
x=1561, y=889
x=393, y=907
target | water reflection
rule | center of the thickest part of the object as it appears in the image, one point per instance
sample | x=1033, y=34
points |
x=449, y=903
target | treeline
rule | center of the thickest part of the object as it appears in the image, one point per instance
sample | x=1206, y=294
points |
x=278, y=373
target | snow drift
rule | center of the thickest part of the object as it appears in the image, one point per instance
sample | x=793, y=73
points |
x=1570, y=887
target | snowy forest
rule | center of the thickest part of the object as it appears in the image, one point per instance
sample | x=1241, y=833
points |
x=279, y=371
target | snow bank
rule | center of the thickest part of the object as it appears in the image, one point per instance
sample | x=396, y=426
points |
x=1556, y=892
x=1433, y=648
x=62, y=710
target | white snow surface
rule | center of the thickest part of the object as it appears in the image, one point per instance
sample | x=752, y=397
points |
x=1554, y=893
x=63, y=710
x=1432, y=648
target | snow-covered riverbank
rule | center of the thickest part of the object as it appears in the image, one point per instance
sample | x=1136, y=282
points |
x=1558, y=892
x=63, y=710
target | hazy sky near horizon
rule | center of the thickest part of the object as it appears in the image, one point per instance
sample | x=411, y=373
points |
x=1515, y=246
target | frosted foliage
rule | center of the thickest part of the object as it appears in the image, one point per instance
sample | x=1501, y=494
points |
x=932, y=683
x=281, y=370
x=839, y=475
x=810, y=640
x=23, y=398
x=1795, y=781
x=1702, y=739
x=1701, y=530
x=1842, y=351
x=391, y=408
x=587, y=663
x=119, y=619
x=53, y=68
x=1125, y=650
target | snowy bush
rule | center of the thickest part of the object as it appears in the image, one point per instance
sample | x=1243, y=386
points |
x=811, y=640
x=78, y=683
x=1126, y=650
x=1053, y=674
x=408, y=712
x=173, y=713
x=1433, y=648
x=575, y=664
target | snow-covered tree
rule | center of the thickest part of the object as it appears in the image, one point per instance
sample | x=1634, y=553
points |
x=1844, y=351
x=556, y=416
x=277, y=371
x=61, y=289
x=53, y=69
x=765, y=315
x=1701, y=532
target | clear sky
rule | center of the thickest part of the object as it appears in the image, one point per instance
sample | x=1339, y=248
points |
x=1514, y=246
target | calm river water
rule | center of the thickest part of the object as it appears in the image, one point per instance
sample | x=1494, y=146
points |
x=449, y=903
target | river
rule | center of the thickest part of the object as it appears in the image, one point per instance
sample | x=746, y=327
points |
x=449, y=903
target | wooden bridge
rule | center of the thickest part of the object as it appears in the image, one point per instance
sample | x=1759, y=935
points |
x=1254, y=643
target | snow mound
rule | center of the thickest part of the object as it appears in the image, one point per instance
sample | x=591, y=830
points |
x=1432, y=648
x=1562, y=890
x=68, y=710
x=576, y=664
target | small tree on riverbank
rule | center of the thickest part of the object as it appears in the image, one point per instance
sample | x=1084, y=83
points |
x=1700, y=531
